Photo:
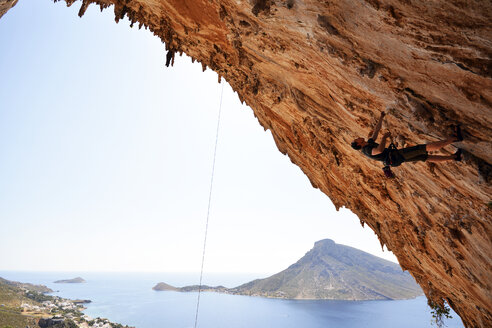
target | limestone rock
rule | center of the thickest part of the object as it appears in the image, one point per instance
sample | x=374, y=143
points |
x=317, y=74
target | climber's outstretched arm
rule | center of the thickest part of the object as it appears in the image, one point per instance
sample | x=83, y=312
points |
x=375, y=132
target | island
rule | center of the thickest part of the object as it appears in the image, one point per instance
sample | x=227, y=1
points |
x=77, y=280
x=328, y=271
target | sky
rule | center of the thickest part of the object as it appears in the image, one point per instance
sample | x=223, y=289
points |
x=106, y=159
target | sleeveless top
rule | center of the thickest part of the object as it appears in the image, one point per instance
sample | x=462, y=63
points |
x=367, y=150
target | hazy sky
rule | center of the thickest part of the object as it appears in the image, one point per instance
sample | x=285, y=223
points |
x=106, y=156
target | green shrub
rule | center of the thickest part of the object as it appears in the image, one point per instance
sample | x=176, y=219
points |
x=439, y=313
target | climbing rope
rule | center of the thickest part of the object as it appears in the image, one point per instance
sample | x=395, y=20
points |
x=208, y=209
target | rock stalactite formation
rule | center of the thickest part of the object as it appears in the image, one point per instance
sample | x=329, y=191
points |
x=5, y=5
x=318, y=73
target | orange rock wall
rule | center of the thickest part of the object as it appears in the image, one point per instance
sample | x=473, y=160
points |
x=318, y=73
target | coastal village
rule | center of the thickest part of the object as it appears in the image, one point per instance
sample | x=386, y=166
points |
x=25, y=305
x=66, y=313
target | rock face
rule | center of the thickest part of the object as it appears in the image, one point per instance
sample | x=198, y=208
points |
x=317, y=73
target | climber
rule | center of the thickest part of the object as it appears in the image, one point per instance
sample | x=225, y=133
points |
x=395, y=157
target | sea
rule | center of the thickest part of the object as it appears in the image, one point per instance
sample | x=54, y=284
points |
x=128, y=298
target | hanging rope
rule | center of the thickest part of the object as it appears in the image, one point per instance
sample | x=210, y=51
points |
x=208, y=209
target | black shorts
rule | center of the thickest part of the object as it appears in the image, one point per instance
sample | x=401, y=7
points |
x=414, y=154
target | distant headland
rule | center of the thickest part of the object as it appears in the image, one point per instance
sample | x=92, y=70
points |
x=327, y=271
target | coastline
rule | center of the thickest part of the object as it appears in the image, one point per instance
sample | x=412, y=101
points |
x=30, y=305
x=127, y=297
x=163, y=287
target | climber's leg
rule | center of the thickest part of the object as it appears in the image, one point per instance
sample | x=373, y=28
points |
x=440, y=144
x=457, y=136
x=414, y=154
x=437, y=158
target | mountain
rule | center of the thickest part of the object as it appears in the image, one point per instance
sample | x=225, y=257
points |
x=329, y=271
x=333, y=271
x=77, y=280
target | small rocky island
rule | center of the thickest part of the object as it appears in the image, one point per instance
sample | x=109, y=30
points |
x=328, y=271
x=77, y=280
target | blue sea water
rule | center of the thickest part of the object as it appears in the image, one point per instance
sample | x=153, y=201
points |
x=128, y=298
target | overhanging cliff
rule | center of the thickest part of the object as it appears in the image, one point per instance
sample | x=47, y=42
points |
x=317, y=74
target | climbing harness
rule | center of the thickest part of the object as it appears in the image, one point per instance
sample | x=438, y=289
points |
x=208, y=209
x=389, y=161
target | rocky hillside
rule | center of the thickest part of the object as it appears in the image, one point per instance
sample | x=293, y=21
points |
x=26, y=286
x=328, y=271
x=332, y=271
x=318, y=73
x=12, y=296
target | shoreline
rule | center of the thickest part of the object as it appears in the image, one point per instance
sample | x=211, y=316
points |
x=30, y=305
x=163, y=287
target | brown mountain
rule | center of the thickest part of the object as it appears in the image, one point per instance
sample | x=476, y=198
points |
x=328, y=271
